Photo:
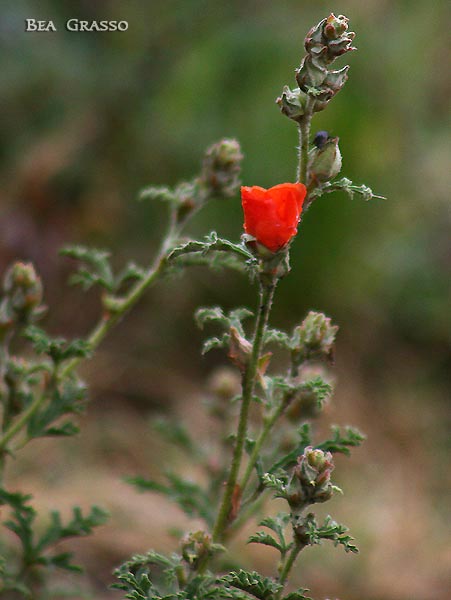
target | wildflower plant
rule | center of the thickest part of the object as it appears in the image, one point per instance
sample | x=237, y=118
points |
x=276, y=454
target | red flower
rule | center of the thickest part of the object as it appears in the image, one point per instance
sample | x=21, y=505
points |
x=272, y=215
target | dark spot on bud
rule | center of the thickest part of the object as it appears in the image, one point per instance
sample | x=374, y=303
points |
x=320, y=139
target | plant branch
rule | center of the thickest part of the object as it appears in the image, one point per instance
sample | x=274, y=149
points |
x=269, y=423
x=249, y=377
x=304, y=136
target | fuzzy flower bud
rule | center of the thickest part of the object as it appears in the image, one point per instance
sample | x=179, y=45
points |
x=315, y=339
x=23, y=288
x=310, y=480
x=324, y=158
x=292, y=103
x=221, y=168
x=198, y=546
x=195, y=546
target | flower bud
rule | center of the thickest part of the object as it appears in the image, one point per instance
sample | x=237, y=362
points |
x=324, y=158
x=292, y=103
x=315, y=339
x=329, y=39
x=324, y=43
x=195, y=547
x=310, y=480
x=221, y=168
x=239, y=349
x=23, y=288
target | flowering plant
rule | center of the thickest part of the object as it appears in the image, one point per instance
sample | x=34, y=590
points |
x=276, y=452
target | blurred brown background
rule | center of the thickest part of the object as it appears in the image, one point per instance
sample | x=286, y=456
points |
x=88, y=119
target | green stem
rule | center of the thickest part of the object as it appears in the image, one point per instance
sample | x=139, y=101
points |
x=289, y=562
x=249, y=377
x=304, y=137
x=269, y=422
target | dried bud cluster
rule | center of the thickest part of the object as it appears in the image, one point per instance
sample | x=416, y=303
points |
x=221, y=168
x=324, y=43
x=310, y=480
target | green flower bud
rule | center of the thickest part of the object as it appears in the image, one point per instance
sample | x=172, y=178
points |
x=324, y=158
x=195, y=547
x=292, y=103
x=221, y=169
x=310, y=479
x=314, y=339
x=23, y=289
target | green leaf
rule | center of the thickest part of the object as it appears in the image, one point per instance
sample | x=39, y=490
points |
x=95, y=267
x=212, y=314
x=347, y=186
x=278, y=337
x=214, y=343
x=210, y=244
x=68, y=399
x=341, y=442
x=263, y=588
x=266, y=539
x=58, y=349
x=330, y=530
x=297, y=595
x=272, y=482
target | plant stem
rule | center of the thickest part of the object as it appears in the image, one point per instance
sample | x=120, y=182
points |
x=106, y=323
x=304, y=136
x=289, y=562
x=249, y=377
x=268, y=425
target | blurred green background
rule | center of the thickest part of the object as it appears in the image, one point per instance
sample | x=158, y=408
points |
x=88, y=119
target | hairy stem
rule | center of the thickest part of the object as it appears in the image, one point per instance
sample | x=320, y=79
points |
x=249, y=377
x=304, y=136
x=269, y=423
x=289, y=562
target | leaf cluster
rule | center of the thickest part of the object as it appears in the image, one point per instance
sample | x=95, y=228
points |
x=37, y=549
x=95, y=269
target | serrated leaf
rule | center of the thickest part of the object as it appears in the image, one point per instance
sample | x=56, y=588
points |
x=58, y=349
x=341, y=442
x=278, y=337
x=263, y=588
x=272, y=482
x=95, y=267
x=215, y=343
x=206, y=315
x=266, y=539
